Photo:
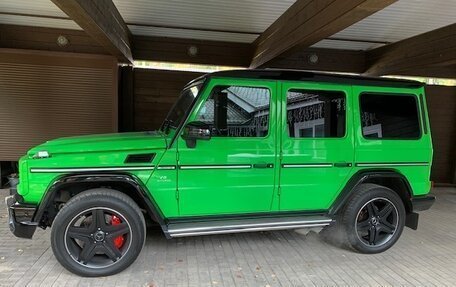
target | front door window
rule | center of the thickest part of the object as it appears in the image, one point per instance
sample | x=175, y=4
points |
x=235, y=111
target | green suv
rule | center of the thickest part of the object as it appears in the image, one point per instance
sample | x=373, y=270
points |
x=240, y=151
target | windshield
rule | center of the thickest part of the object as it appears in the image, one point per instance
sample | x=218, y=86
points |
x=179, y=110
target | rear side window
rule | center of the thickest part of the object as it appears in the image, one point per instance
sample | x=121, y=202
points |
x=389, y=116
x=315, y=114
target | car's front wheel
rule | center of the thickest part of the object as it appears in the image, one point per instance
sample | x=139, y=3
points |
x=98, y=232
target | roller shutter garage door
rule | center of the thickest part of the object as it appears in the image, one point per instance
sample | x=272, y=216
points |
x=47, y=95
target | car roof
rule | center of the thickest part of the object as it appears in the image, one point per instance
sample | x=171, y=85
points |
x=297, y=75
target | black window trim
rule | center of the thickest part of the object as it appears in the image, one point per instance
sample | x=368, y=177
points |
x=414, y=96
x=423, y=114
x=204, y=83
x=324, y=90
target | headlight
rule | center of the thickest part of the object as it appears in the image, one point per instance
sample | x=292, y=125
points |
x=42, y=154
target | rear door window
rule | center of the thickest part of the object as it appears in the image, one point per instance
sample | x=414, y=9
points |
x=315, y=114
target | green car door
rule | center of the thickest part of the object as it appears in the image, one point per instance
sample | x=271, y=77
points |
x=235, y=170
x=317, y=144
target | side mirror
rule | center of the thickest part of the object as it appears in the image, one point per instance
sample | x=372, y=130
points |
x=196, y=131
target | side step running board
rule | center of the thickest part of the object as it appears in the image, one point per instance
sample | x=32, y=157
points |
x=182, y=229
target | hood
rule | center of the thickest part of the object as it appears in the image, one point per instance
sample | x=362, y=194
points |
x=103, y=143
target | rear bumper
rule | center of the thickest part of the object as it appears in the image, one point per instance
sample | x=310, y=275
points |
x=423, y=202
x=20, y=217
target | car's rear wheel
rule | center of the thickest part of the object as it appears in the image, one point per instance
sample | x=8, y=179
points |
x=98, y=232
x=373, y=218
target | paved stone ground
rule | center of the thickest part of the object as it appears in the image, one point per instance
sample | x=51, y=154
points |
x=426, y=257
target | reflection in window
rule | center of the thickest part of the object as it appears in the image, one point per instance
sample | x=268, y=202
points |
x=315, y=114
x=234, y=111
x=389, y=116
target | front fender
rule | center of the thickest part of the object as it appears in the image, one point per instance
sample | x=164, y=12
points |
x=86, y=181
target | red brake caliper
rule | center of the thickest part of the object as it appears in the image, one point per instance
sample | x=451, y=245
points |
x=119, y=240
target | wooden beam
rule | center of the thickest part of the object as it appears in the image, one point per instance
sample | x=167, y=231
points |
x=40, y=38
x=307, y=22
x=431, y=71
x=103, y=22
x=434, y=49
x=144, y=48
x=333, y=60
x=177, y=50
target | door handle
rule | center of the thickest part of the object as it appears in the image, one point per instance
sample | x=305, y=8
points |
x=342, y=164
x=263, y=165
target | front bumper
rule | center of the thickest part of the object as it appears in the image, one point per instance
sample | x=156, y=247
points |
x=423, y=202
x=20, y=217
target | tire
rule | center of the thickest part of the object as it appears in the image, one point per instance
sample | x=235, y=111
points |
x=98, y=232
x=373, y=219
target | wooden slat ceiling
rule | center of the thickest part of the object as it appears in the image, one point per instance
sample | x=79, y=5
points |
x=201, y=19
x=38, y=13
x=400, y=20
x=242, y=21
x=307, y=22
x=221, y=20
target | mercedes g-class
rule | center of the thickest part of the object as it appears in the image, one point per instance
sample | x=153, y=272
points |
x=240, y=151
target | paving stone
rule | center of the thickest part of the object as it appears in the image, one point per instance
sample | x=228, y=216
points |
x=425, y=257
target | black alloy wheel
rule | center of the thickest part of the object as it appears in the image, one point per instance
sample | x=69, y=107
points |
x=95, y=240
x=98, y=232
x=377, y=222
x=372, y=220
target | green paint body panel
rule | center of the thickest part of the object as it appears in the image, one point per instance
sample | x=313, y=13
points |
x=240, y=187
x=235, y=190
x=314, y=188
